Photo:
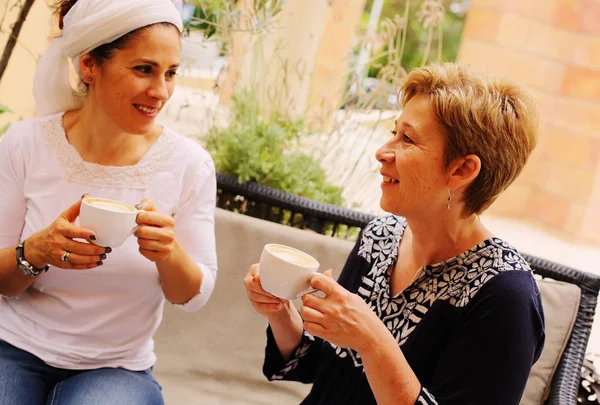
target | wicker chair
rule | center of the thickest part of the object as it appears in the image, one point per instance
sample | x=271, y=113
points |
x=277, y=206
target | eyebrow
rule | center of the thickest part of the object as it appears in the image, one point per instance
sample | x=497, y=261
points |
x=406, y=124
x=155, y=64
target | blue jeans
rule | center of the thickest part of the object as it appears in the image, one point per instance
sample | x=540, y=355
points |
x=25, y=379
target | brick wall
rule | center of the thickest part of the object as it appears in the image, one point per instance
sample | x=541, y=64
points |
x=553, y=48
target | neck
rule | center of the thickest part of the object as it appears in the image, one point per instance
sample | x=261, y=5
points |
x=98, y=139
x=434, y=241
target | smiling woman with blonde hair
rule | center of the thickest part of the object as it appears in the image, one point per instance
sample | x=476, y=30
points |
x=431, y=307
x=77, y=319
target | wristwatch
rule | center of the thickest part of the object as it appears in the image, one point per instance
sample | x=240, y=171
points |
x=24, y=265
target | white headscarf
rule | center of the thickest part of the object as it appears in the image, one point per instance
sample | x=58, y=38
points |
x=87, y=25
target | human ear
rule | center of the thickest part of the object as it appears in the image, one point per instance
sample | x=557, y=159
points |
x=88, y=68
x=464, y=170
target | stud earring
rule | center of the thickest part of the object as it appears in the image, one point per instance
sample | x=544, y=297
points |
x=450, y=195
x=89, y=79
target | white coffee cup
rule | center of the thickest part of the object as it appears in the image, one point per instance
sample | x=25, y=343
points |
x=285, y=272
x=111, y=221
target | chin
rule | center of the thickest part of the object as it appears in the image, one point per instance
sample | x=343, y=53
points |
x=138, y=129
x=388, y=206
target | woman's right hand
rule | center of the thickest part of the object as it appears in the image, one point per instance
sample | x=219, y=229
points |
x=49, y=245
x=263, y=302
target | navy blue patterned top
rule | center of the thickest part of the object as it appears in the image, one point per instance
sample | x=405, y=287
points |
x=470, y=327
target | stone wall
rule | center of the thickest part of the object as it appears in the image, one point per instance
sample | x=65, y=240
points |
x=553, y=48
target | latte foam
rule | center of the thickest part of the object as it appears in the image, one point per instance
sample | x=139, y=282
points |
x=292, y=256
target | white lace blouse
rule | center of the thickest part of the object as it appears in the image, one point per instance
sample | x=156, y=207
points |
x=104, y=317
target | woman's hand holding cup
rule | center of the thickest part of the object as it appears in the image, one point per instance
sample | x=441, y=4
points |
x=263, y=302
x=155, y=233
x=56, y=245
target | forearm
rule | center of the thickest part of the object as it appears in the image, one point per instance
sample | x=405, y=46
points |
x=391, y=378
x=180, y=276
x=287, y=328
x=12, y=280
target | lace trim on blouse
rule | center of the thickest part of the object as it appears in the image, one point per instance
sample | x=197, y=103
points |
x=138, y=176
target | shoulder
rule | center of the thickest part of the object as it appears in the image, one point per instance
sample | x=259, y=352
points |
x=503, y=274
x=384, y=227
x=27, y=129
x=26, y=134
x=479, y=270
x=379, y=237
x=190, y=154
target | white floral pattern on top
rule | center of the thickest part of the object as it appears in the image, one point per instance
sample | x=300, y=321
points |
x=138, y=176
x=456, y=280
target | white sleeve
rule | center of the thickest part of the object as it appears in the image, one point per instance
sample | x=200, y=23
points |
x=12, y=197
x=195, y=229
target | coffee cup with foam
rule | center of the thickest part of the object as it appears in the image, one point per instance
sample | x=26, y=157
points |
x=111, y=221
x=285, y=271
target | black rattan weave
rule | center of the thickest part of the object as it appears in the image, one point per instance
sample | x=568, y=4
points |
x=268, y=203
x=565, y=384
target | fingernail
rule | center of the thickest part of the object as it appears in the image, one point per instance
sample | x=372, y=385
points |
x=92, y=237
x=83, y=196
x=100, y=263
x=102, y=256
x=107, y=250
x=139, y=206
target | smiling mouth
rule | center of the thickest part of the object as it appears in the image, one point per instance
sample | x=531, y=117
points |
x=387, y=179
x=147, y=110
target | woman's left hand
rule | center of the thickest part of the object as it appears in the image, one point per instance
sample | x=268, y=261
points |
x=341, y=318
x=156, y=236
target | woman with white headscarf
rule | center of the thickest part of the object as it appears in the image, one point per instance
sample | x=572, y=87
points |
x=77, y=319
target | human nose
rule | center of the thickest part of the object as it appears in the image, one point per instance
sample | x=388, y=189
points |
x=385, y=154
x=159, y=89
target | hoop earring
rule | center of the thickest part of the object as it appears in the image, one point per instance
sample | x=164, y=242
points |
x=450, y=195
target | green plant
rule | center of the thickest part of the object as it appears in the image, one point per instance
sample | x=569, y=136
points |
x=4, y=110
x=424, y=32
x=264, y=148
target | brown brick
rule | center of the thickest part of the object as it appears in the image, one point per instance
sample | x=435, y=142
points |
x=546, y=105
x=519, y=66
x=567, y=14
x=576, y=115
x=482, y=23
x=551, y=75
x=547, y=40
x=548, y=209
x=591, y=226
x=533, y=172
x=571, y=149
x=491, y=4
x=575, y=219
x=588, y=20
x=586, y=51
x=541, y=10
x=581, y=82
x=595, y=200
x=512, y=202
x=513, y=31
x=574, y=184
x=480, y=55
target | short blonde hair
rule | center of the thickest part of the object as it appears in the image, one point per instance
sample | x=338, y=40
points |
x=491, y=118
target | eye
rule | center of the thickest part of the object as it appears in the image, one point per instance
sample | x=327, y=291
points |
x=145, y=69
x=406, y=139
x=171, y=74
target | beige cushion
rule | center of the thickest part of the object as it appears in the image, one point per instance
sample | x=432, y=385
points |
x=561, y=303
x=215, y=356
